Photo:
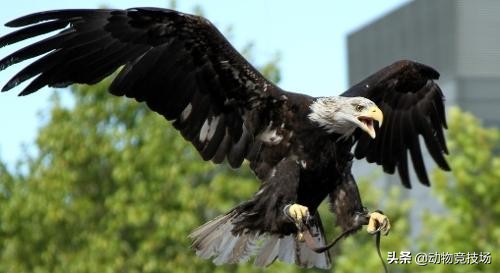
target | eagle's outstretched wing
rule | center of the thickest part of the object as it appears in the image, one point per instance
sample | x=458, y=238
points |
x=413, y=106
x=180, y=65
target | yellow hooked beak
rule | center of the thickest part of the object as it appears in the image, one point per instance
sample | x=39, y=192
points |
x=367, y=117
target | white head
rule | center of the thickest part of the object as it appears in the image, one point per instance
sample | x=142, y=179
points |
x=342, y=115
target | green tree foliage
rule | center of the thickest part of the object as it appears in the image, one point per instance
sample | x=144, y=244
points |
x=470, y=194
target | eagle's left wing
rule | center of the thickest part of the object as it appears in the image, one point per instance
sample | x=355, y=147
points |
x=413, y=106
x=180, y=65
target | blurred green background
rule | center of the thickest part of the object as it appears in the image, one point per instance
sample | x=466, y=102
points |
x=114, y=188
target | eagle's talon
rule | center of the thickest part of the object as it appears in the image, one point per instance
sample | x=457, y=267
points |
x=298, y=213
x=378, y=222
x=300, y=236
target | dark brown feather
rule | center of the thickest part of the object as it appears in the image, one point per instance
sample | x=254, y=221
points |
x=413, y=106
x=170, y=60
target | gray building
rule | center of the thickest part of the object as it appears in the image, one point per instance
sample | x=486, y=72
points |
x=460, y=38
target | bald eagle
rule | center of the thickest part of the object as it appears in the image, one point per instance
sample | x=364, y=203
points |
x=299, y=147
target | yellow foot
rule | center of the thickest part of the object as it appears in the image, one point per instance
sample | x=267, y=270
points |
x=378, y=222
x=299, y=214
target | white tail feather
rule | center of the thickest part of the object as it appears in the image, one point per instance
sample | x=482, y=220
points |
x=216, y=240
x=268, y=252
x=286, y=252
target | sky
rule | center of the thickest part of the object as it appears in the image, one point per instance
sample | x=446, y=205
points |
x=309, y=36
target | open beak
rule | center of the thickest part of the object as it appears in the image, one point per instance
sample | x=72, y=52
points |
x=367, y=119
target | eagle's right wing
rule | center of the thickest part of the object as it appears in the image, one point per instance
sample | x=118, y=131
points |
x=180, y=65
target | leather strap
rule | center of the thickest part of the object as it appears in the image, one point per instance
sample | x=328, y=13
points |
x=313, y=245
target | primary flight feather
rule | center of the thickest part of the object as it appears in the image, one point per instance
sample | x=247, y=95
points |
x=299, y=146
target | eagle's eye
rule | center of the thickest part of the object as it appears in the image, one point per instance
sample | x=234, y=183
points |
x=359, y=107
